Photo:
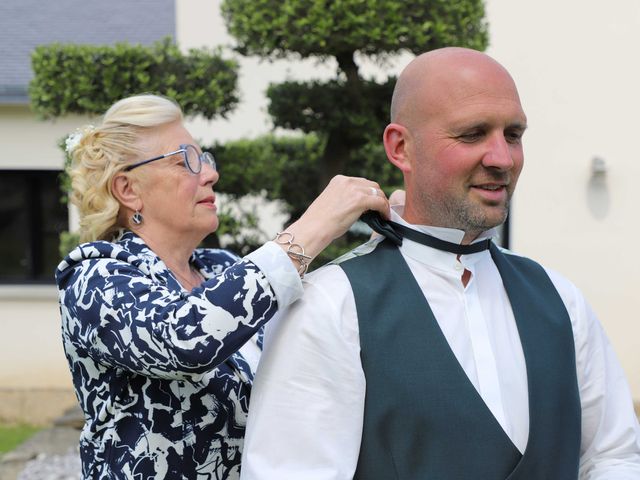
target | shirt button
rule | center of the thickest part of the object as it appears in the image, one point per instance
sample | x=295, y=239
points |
x=459, y=266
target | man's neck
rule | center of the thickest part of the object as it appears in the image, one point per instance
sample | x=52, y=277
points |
x=444, y=232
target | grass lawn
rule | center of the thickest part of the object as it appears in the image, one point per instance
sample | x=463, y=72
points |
x=13, y=435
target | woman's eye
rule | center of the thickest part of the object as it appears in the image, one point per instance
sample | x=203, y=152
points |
x=179, y=163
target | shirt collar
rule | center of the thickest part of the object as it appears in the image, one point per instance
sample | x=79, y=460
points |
x=433, y=256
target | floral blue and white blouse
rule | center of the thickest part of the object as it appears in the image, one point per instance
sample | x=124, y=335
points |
x=164, y=375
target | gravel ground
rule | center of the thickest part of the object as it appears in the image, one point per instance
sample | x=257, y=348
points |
x=51, y=454
x=52, y=467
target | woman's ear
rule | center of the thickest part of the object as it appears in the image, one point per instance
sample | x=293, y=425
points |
x=395, y=139
x=125, y=190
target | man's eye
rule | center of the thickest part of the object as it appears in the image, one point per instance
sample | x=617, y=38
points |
x=470, y=137
x=513, y=137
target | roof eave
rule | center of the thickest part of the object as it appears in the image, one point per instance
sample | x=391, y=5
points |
x=14, y=95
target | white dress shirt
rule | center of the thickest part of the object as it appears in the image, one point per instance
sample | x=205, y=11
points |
x=307, y=403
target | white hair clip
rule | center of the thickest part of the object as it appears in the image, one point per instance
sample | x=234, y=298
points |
x=73, y=140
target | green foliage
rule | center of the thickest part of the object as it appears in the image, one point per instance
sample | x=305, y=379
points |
x=13, y=435
x=286, y=168
x=323, y=106
x=237, y=231
x=281, y=167
x=370, y=160
x=277, y=28
x=67, y=242
x=89, y=79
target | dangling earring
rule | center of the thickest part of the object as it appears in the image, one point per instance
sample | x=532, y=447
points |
x=136, y=218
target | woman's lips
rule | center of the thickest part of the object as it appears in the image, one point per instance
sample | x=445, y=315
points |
x=209, y=202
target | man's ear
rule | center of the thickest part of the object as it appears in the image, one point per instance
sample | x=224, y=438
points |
x=125, y=190
x=395, y=140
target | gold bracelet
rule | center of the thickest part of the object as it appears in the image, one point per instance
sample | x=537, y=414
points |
x=295, y=251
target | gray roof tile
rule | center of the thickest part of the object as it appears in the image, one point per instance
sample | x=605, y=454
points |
x=24, y=24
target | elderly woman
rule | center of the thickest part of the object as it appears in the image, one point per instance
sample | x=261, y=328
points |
x=162, y=338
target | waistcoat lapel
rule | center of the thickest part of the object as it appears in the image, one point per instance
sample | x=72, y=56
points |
x=547, y=341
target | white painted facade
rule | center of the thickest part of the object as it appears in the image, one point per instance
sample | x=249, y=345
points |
x=575, y=65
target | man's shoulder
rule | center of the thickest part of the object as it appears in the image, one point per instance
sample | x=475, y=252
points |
x=325, y=288
x=331, y=275
x=325, y=313
x=359, y=251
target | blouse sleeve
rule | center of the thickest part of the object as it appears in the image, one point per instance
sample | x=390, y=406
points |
x=116, y=315
x=280, y=272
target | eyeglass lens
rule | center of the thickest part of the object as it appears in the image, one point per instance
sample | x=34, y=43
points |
x=195, y=159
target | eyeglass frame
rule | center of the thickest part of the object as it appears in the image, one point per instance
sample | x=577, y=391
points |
x=210, y=159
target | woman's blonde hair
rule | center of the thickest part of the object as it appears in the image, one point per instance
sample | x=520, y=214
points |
x=104, y=151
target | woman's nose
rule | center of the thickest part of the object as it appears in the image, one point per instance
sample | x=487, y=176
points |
x=209, y=174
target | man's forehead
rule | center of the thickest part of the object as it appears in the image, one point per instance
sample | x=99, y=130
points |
x=482, y=103
x=475, y=100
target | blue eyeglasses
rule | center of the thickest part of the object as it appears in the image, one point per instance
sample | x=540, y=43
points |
x=193, y=160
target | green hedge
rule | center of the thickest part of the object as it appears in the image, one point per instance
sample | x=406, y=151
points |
x=87, y=79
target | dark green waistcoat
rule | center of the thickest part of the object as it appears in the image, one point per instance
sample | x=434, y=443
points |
x=423, y=418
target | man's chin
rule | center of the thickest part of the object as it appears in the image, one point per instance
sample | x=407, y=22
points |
x=487, y=218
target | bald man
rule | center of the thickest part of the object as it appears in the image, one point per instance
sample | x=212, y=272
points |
x=429, y=353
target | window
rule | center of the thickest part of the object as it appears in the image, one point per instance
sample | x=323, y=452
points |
x=31, y=219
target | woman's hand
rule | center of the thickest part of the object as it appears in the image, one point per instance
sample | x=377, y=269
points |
x=337, y=208
x=397, y=197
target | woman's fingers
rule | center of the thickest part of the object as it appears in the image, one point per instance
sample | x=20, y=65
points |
x=337, y=208
x=348, y=197
x=379, y=202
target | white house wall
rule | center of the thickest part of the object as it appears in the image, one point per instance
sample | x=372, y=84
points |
x=29, y=144
x=576, y=65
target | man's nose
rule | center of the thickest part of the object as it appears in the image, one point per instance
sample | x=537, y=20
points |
x=498, y=155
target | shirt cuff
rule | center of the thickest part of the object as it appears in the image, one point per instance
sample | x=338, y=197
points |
x=280, y=272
